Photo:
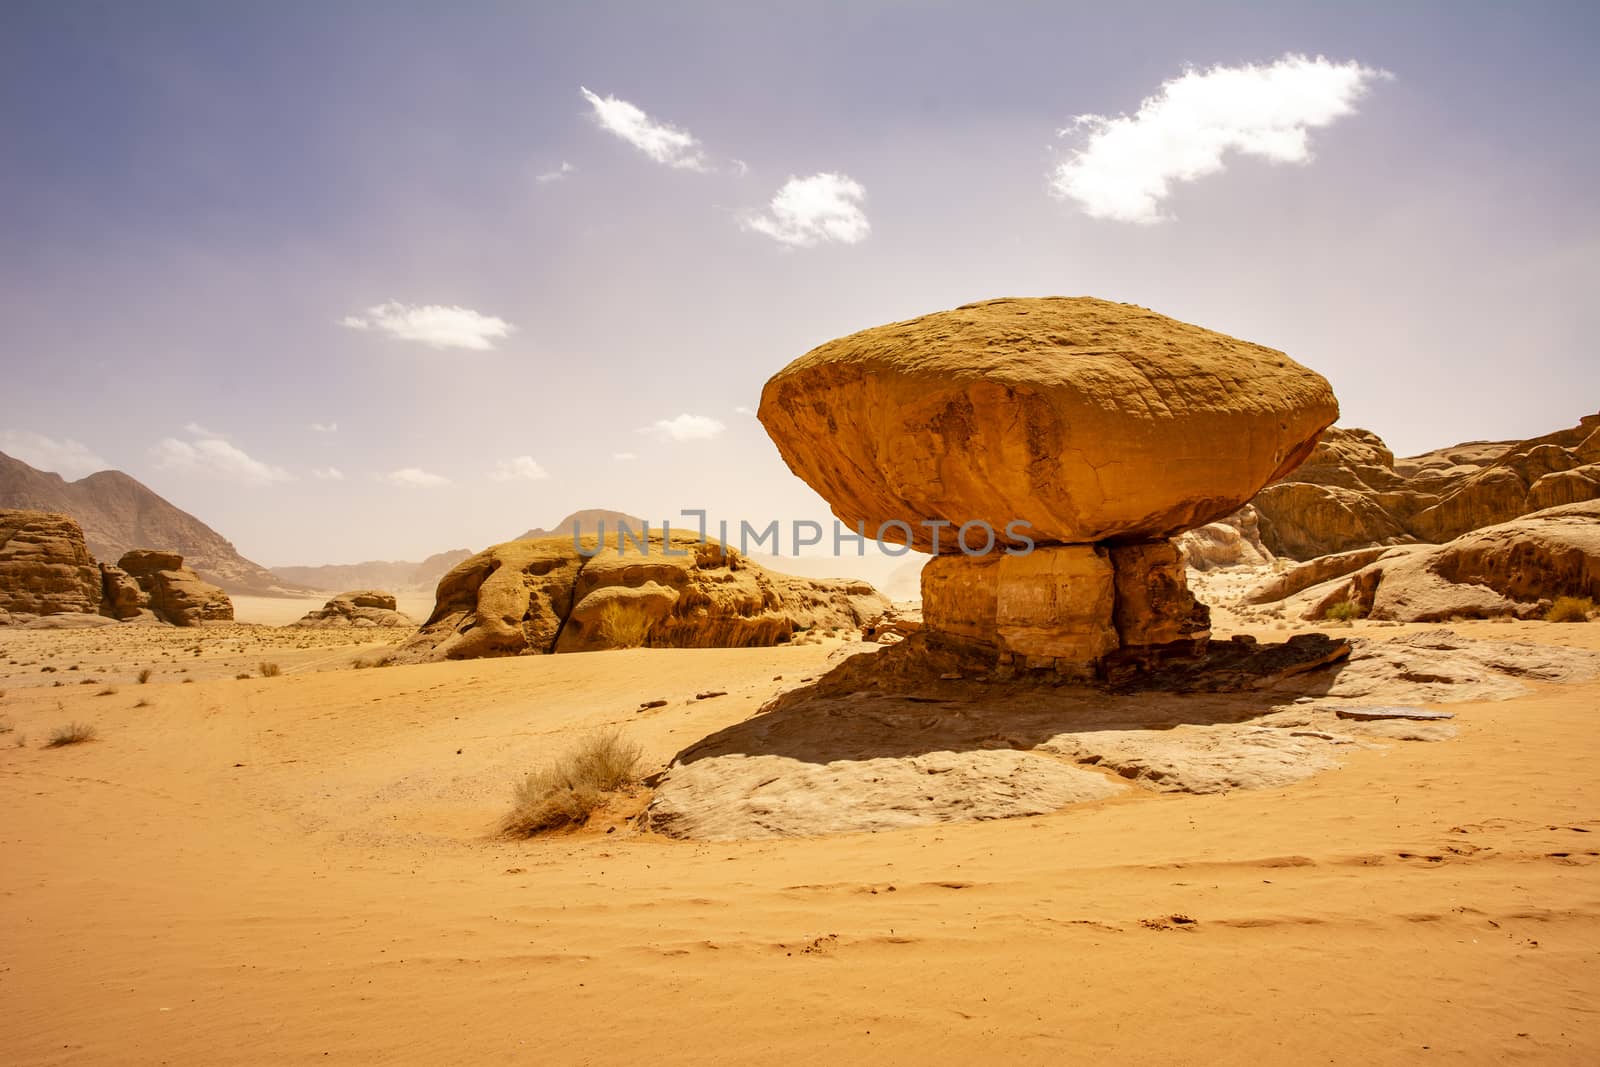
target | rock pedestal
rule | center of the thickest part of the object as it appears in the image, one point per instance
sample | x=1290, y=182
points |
x=1073, y=609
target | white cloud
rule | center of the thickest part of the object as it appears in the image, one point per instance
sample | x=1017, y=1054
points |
x=1127, y=165
x=64, y=456
x=327, y=474
x=742, y=410
x=625, y=457
x=823, y=207
x=212, y=457
x=556, y=175
x=194, y=429
x=519, y=468
x=324, y=427
x=686, y=428
x=661, y=142
x=434, y=325
x=740, y=168
x=414, y=478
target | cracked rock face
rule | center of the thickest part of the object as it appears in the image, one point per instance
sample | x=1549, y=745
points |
x=544, y=595
x=1089, y=420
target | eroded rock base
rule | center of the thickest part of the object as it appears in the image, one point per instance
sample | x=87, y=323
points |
x=1079, y=611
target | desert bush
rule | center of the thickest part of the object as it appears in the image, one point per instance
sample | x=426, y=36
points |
x=74, y=733
x=243, y=676
x=623, y=625
x=108, y=691
x=144, y=675
x=385, y=660
x=1343, y=611
x=1569, y=609
x=574, y=785
x=269, y=670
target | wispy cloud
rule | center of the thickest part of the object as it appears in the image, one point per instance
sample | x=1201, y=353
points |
x=1127, y=164
x=742, y=410
x=327, y=474
x=213, y=457
x=61, y=455
x=196, y=430
x=565, y=170
x=660, y=141
x=414, y=478
x=324, y=427
x=519, y=468
x=807, y=211
x=624, y=457
x=433, y=324
x=686, y=428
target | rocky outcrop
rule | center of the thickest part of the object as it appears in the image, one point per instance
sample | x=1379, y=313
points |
x=1515, y=568
x=359, y=609
x=1085, y=419
x=1076, y=436
x=173, y=592
x=1353, y=493
x=545, y=595
x=1231, y=542
x=45, y=566
x=118, y=514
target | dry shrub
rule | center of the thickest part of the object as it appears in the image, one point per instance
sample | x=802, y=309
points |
x=574, y=786
x=270, y=670
x=1569, y=609
x=74, y=733
x=144, y=675
x=623, y=625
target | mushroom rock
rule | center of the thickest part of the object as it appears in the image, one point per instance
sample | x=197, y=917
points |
x=1081, y=433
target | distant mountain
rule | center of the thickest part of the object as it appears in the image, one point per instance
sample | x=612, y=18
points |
x=588, y=521
x=393, y=576
x=118, y=513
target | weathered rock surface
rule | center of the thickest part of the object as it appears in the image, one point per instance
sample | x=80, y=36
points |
x=360, y=609
x=45, y=566
x=1514, y=568
x=176, y=594
x=1087, y=419
x=544, y=596
x=1353, y=493
x=1234, y=541
x=122, y=597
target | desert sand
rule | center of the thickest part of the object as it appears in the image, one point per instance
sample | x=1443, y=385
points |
x=281, y=869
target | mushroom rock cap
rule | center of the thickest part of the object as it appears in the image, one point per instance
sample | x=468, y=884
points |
x=1087, y=419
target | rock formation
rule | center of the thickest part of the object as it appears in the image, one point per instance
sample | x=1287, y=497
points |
x=360, y=608
x=171, y=591
x=45, y=567
x=545, y=596
x=1231, y=542
x=118, y=514
x=1081, y=433
x=1515, y=568
x=1352, y=492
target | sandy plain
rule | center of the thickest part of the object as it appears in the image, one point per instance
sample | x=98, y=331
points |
x=305, y=867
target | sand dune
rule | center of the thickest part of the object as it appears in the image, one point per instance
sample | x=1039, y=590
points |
x=275, y=869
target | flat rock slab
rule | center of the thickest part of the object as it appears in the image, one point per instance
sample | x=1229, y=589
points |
x=1369, y=714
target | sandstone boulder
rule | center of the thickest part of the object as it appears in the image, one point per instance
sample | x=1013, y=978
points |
x=1234, y=541
x=1514, y=568
x=1088, y=420
x=45, y=567
x=175, y=593
x=360, y=609
x=544, y=596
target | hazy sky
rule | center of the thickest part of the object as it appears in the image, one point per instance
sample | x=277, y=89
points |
x=355, y=281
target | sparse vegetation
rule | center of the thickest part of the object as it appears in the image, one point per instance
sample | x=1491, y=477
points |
x=1569, y=609
x=74, y=733
x=144, y=675
x=1343, y=611
x=384, y=660
x=269, y=670
x=108, y=691
x=623, y=625
x=243, y=676
x=142, y=703
x=574, y=786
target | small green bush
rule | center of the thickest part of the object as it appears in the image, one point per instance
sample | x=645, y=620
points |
x=1569, y=609
x=1343, y=611
x=574, y=786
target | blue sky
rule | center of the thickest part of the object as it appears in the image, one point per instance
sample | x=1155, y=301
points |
x=197, y=197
